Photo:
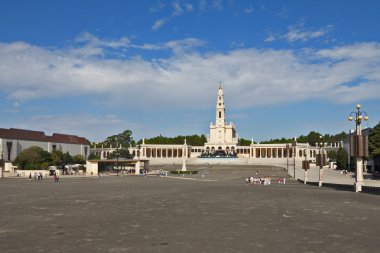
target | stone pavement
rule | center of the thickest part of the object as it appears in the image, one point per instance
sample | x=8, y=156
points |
x=154, y=214
x=333, y=176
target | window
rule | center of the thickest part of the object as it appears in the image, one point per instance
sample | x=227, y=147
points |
x=54, y=147
x=220, y=115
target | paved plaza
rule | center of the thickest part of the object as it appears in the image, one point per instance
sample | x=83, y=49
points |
x=217, y=213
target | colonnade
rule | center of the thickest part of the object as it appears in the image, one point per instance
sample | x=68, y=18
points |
x=161, y=152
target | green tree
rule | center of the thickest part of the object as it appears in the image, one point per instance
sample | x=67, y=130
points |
x=57, y=158
x=352, y=165
x=124, y=139
x=277, y=141
x=79, y=159
x=32, y=158
x=313, y=138
x=93, y=156
x=332, y=154
x=67, y=158
x=342, y=159
x=374, y=141
x=121, y=153
x=193, y=140
x=244, y=142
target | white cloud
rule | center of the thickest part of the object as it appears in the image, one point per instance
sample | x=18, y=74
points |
x=159, y=23
x=92, y=127
x=174, y=45
x=250, y=76
x=270, y=38
x=299, y=33
x=295, y=34
x=90, y=39
x=178, y=10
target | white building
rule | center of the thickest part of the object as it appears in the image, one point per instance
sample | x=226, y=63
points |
x=14, y=141
x=222, y=137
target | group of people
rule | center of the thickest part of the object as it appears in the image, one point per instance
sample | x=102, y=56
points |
x=263, y=180
x=258, y=180
x=36, y=176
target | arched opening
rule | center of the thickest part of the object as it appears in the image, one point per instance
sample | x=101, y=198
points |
x=220, y=115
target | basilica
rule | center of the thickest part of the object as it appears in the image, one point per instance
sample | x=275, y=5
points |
x=222, y=147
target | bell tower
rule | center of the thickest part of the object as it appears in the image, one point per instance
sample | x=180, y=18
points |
x=222, y=135
x=220, y=108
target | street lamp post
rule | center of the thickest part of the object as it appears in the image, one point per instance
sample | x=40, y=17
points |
x=138, y=159
x=117, y=158
x=321, y=162
x=358, y=145
x=287, y=157
x=305, y=166
x=2, y=163
x=294, y=144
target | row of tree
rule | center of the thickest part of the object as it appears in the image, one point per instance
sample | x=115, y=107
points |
x=37, y=158
x=126, y=140
x=123, y=140
x=312, y=138
x=193, y=140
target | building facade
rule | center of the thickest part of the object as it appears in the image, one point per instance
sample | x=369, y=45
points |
x=14, y=141
x=222, y=137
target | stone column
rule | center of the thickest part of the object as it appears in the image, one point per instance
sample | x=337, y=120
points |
x=184, y=164
x=320, y=181
x=137, y=167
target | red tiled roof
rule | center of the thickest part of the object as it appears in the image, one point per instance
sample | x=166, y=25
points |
x=29, y=135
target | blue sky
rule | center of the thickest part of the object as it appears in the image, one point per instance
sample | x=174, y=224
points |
x=96, y=68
